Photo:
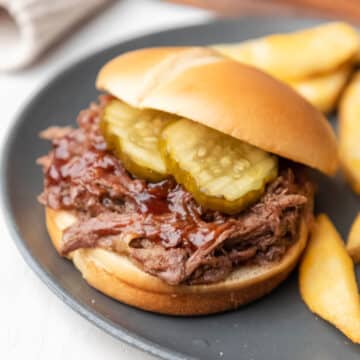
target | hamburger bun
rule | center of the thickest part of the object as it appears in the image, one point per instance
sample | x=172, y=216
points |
x=116, y=276
x=201, y=85
x=239, y=100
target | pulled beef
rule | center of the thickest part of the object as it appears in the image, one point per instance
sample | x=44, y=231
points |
x=168, y=264
x=159, y=225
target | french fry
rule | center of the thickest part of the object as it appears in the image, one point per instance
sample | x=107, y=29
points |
x=349, y=132
x=323, y=91
x=299, y=55
x=327, y=280
x=353, y=241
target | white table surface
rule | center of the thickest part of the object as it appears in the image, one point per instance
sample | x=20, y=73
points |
x=34, y=323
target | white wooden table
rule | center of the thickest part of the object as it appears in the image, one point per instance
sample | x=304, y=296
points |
x=34, y=323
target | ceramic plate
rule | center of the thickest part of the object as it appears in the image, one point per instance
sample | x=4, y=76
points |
x=276, y=327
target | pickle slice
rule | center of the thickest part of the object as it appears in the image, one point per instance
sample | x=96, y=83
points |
x=133, y=134
x=221, y=172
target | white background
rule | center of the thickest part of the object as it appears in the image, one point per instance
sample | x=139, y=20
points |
x=34, y=323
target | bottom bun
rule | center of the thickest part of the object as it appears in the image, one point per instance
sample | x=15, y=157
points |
x=116, y=276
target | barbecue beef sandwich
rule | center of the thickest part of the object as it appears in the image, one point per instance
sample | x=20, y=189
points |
x=183, y=190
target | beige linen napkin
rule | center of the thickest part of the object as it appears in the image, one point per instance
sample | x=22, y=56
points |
x=28, y=27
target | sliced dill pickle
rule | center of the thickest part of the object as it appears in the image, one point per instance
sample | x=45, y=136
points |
x=133, y=134
x=221, y=172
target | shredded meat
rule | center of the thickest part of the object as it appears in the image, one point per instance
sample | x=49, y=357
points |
x=168, y=264
x=159, y=225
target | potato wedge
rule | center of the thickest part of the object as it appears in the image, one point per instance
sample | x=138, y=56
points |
x=349, y=132
x=353, y=241
x=327, y=280
x=323, y=91
x=299, y=55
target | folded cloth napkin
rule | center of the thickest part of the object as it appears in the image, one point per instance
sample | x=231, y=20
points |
x=28, y=27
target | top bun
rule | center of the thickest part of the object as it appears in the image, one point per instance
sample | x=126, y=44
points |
x=236, y=99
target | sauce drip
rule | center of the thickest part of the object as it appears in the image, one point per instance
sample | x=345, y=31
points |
x=83, y=175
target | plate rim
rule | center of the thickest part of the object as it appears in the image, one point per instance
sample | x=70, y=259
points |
x=117, y=331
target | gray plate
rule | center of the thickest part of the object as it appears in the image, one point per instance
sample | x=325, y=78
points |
x=276, y=327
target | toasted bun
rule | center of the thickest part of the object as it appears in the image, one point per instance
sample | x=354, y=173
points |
x=201, y=85
x=116, y=276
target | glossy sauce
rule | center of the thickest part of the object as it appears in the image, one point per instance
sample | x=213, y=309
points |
x=82, y=175
x=80, y=161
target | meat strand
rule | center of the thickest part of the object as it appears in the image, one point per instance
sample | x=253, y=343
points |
x=159, y=225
